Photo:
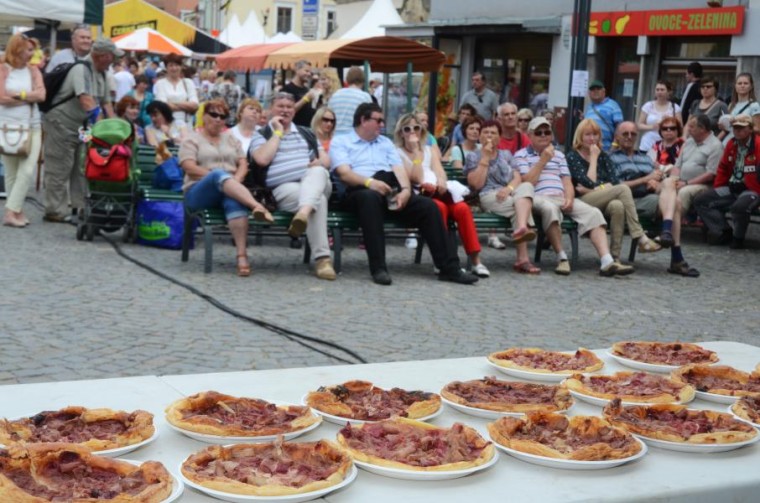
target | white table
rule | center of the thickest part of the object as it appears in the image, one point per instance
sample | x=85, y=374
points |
x=661, y=475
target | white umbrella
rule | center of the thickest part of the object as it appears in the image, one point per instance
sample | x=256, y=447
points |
x=148, y=40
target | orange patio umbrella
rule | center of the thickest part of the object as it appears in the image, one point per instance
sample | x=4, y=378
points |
x=247, y=57
x=148, y=40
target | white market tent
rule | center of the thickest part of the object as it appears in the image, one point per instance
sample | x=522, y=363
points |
x=381, y=13
x=248, y=33
x=282, y=38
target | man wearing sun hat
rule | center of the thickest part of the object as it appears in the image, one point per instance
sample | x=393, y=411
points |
x=604, y=111
x=84, y=97
x=736, y=187
x=546, y=168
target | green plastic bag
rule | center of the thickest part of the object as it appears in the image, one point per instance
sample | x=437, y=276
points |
x=112, y=131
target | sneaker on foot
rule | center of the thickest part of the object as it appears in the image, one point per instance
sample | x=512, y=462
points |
x=495, y=242
x=563, y=268
x=411, y=242
x=623, y=269
x=480, y=271
x=324, y=269
x=609, y=271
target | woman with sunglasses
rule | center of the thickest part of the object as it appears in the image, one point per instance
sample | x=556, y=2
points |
x=21, y=89
x=652, y=112
x=524, y=116
x=667, y=149
x=596, y=184
x=248, y=116
x=215, y=166
x=710, y=105
x=323, y=125
x=163, y=128
x=423, y=163
x=743, y=101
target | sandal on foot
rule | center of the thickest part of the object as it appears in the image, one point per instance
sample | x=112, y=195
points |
x=683, y=269
x=526, y=268
x=297, y=226
x=243, y=267
x=523, y=235
x=649, y=246
x=262, y=215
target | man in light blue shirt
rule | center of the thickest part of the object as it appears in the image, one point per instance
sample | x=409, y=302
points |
x=604, y=111
x=377, y=183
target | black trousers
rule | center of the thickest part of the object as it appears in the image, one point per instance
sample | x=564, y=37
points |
x=712, y=205
x=421, y=212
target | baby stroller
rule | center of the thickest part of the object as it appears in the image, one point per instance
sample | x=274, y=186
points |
x=109, y=168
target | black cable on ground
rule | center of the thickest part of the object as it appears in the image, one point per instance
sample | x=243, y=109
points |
x=292, y=336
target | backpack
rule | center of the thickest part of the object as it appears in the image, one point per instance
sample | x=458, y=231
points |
x=256, y=178
x=53, y=81
x=109, y=153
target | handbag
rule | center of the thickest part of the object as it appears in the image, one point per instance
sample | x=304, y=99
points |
x=161, y=224
x=107, y=163
x=168, y=175
x=16, y=141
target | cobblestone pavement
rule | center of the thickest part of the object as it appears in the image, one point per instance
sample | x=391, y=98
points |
x=77, y=310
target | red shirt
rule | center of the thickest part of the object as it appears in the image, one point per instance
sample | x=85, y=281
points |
x=518, y=141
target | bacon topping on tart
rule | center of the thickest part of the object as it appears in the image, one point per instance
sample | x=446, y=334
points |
x=269, y=469
x=409, y=444
x=678, y=423
x=363, y=401
x=748, y=407
x=664, y=353
x=539, y=360
x=66, y=472
x=579, y=438
x=218, y=414
x=631, y=386
x=97, y=429
x=508, y=396
x=719, y=379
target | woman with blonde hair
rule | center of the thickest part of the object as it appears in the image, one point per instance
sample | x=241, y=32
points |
x=21, y=89
x=524, y=116
x=248, y=116
x=323, y=125
x=423, y=163
x=596, y=183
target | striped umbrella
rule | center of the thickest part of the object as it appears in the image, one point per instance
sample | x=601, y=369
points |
x=148, y=40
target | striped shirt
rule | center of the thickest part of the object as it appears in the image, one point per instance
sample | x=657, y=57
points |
x=344, y=104
x=550, y=180
x=291, y=160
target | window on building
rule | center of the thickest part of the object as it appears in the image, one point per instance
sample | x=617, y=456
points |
x=332, y=22
x=284, y=19
x=712, y=52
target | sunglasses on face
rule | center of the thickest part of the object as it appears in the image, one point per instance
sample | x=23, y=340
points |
x=215, y=115
x=629, y=134
x=542, y=132
x=379, y=120
x=523, y=120
x=409, y=129
x=325, y=119
x=668, y=128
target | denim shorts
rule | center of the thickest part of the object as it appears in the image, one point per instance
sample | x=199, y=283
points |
x=207, y=193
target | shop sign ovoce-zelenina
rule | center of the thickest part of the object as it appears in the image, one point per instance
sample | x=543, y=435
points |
x=663, y=23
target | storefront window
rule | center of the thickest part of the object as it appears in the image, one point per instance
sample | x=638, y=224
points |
x=398, y=102
x=695, y=48
x=714, y=55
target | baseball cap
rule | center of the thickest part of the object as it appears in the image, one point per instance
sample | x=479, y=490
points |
x=596, y=83
x=106, y=45
x=538, y=121
x=742, y=120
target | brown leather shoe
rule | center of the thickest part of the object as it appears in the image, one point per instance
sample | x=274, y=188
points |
x=324, y=269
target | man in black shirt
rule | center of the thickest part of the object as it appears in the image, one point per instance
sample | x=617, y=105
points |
x=304, y=96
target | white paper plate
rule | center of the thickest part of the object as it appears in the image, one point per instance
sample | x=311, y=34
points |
x=716, y=398
x=696, y=448
x=531, y=376
x=177, y=485
x=222, y=440
x=343, y=420
x=490, y=414
x=398, y=473
x=602, y=402
x=293, y=498
x=569, y=464
x=112, y=453
x=648, y=367
x=731, y=411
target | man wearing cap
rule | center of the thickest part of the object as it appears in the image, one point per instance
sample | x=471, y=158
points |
x=736, y=187
x=84, y=96
x=81, y=42
x=481, y=98
x=540, y=164
x=604, y=111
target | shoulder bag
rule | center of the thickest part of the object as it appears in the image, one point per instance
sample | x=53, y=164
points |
x=16, y=141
